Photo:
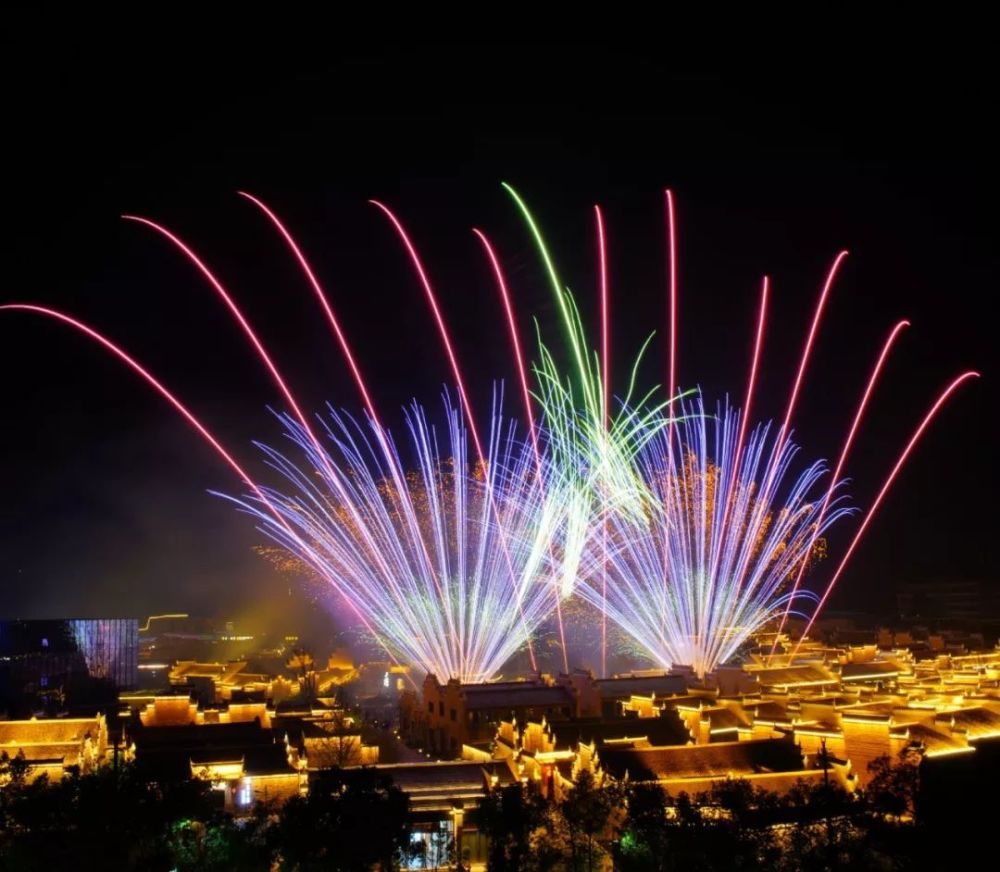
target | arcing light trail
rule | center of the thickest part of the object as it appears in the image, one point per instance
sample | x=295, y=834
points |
x=451, y=561
x=651, y=599
x=185, y=413
x=914, y=439
x=727, y=529
x=687, y=529
x=460, y=381
x=505, y=297
x=844, y=452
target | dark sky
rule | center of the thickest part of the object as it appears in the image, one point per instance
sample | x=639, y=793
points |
x=105, y=507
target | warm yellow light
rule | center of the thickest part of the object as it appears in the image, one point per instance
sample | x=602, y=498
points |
x=947, y=752
x=152, y=618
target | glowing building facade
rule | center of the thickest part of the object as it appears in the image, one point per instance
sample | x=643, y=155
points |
x=45, y=657
x=110, y=648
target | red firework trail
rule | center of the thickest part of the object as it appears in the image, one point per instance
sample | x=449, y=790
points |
x=914, y=439
x=526, y=393
x=522, y=370
x=842, y=460
x=238, y=315
x=672, y=273
x=324, y=302
x=155, y=383
x=439, y=319
x=263, y=354
x=672, y=358
x=457, y=372
x=751, y=383
x=803, y=360
x=810, y=339
x=752, y=380
x=195, y=423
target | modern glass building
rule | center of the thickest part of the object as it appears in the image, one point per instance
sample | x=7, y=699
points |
x=110, y=648
x=40, y=655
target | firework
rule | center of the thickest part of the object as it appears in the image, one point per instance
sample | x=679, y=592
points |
x=712, y=557
x=646, y=479
x=687, y=530
x=450, y=559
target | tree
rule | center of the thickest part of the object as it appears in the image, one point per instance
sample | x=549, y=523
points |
x=350, y=820
x=221, y=844
x=114, y=819
x=893, y=787
x=642, y=844
x=588, y=809
x=339, y=746
x=508, y=817
x=13, y=770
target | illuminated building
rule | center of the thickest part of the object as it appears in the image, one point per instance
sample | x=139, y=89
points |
x=827, y=715
x=441, y=795
x=244, y=760
x=110, y=649
x=772, y=764
x=54, y=745
x=249, y=751
x=216, y=682
x=41, y=660
x=449, y=716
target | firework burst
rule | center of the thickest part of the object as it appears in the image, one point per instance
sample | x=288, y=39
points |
x=450, y=559
x=687, y=530
x=710, y=560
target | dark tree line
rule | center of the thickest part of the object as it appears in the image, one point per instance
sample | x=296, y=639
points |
x=357, y=820
x=640, y=828
x=116, y=819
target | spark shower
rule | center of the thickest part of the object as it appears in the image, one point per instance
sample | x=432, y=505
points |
x=686, y=524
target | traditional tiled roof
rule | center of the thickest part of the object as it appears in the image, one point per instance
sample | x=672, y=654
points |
x=641, y=685
x=170, y=752
x=700, y=761
x=934, y=741
x=874, y=711
x=665, y=730
x=688, y=702
x=185, y=669
x=722, y=719
x=200, y=735
x=977, y=722
x=516, y=696
x=47, y=731
x=437, y=786
x=458, y=775
x=869, y=670
x=64, y=754
x=771, y=711
x=808, y=674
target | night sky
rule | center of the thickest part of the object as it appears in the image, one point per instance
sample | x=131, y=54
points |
x=105, y=509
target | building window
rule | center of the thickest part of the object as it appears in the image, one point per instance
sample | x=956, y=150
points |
x=441, y=709
x=244, y=796
x=454, y=715
x=430, y=708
